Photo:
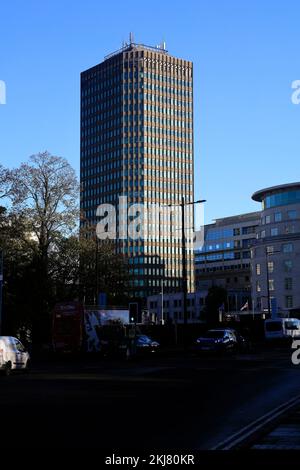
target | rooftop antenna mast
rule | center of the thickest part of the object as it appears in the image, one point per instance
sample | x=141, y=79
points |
x=162, y=45
x=131, y=38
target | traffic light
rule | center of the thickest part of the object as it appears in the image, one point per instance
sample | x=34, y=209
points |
x=133, y=312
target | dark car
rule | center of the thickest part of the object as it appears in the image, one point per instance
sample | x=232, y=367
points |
x=217, y=340
x=140, y=345
x=144, y=344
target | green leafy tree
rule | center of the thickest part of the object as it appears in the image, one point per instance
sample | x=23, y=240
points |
x=102, y=270
x=20, y=281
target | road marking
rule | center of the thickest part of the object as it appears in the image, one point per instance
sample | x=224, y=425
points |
x=285, y=436
x=237, y=438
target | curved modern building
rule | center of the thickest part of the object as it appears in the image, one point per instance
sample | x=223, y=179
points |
x=275, y=261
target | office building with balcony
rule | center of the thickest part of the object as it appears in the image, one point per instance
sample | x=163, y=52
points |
x=137, y=143
x=275, y=258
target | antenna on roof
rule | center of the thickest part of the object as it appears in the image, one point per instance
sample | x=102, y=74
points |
x=131, y=38
x=163, y=44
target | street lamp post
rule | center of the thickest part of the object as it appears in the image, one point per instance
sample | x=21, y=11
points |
x=161, y=237
x=184, y=270
x=162, y=303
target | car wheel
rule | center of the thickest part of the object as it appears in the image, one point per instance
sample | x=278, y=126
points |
x=7, y=370
x=28, y=366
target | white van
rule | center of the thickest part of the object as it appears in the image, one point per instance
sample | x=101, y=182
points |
x=13, y=355
x=282, y=328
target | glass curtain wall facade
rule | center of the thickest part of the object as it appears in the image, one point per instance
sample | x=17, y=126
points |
x=224, y=259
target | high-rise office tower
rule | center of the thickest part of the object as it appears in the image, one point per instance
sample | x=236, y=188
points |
x=137, y=143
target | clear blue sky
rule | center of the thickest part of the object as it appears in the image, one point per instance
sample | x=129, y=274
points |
x=245, y=54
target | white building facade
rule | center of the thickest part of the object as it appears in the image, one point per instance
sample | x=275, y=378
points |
x=275, y=261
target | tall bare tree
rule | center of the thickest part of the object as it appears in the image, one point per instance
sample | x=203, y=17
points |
x=6, y=179
x=45, y=191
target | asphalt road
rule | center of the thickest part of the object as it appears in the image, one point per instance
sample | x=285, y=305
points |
x=158, y=403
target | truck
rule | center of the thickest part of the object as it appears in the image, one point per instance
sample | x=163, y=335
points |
x=282, y=328
x=77, y=328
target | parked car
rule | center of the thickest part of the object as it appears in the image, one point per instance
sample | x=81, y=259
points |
x=283, y=329
x=13, y=355
x=217, y=340
x=145, y=344
x=139, y=345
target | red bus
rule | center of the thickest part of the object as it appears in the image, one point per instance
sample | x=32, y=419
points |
x=67, y=327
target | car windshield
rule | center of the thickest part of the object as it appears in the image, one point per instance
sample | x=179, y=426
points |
x=144, y=339
x=291, y=325
x=214, y=334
